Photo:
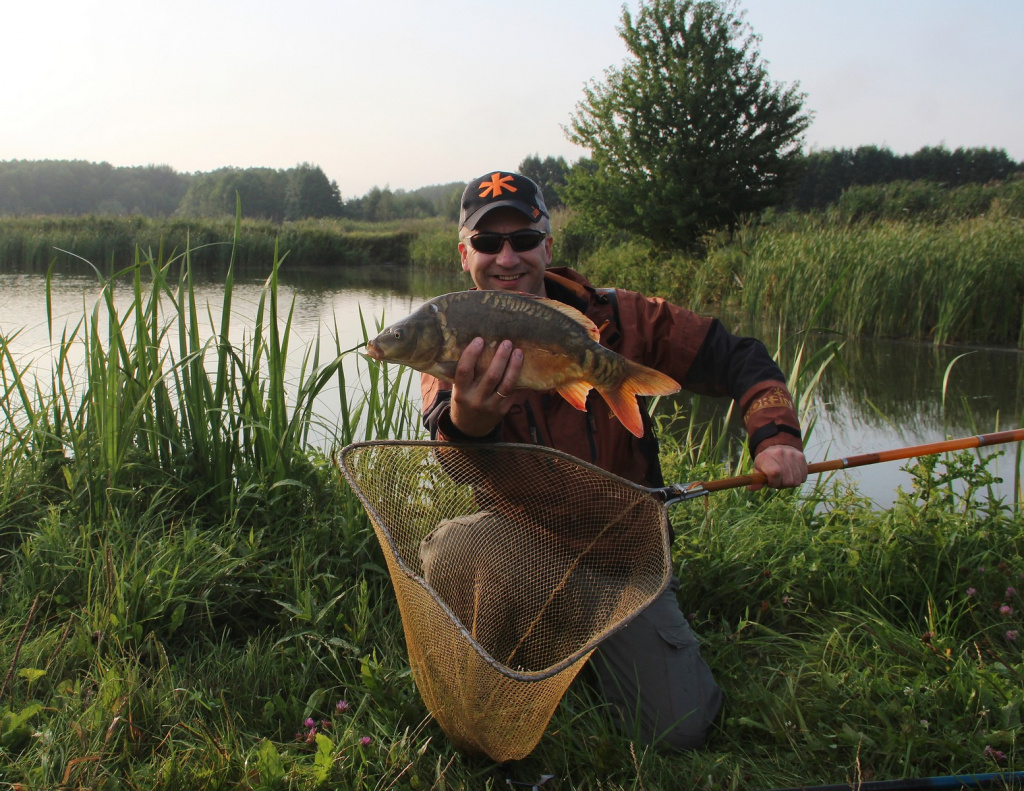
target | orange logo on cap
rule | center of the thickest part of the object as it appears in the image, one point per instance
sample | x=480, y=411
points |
x=494, y=187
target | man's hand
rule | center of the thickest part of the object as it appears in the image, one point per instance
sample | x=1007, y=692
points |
x=480, y=399
x=783, y=465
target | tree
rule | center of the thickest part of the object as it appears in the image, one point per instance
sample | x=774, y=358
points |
x=310, y=194
x=689, y=133
x=549, y=173
x=214, y=194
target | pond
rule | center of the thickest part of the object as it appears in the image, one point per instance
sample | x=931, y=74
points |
x=876, y=395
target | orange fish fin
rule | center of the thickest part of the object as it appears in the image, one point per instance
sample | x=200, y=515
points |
x=575, y=315
x=575, y=394
x=624, y=406
x=646, y=381
x=639, y=380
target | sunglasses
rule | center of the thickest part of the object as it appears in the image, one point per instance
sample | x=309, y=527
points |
x=491, y=242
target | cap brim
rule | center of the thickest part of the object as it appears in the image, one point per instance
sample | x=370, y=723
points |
x=523, y=208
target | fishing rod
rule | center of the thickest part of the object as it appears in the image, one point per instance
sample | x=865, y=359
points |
x=688, y=491
x=1004, y=780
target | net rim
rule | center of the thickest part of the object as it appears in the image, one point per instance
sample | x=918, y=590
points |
x=505, y=670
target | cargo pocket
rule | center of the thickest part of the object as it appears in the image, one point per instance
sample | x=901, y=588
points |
x=677, y=635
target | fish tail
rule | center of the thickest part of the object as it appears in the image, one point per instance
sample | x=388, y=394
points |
x=638, y=380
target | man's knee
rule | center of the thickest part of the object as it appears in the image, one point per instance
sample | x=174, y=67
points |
x=691, y=730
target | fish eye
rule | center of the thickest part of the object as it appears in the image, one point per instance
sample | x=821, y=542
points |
x=397, y=334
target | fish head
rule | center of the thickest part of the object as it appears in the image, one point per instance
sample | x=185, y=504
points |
x=414, y=341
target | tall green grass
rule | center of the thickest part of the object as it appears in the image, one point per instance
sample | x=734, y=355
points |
x=961, y=281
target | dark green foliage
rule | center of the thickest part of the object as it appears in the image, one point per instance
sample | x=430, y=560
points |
x=550, y=173
x=689, y=133
x=84, y=188
x=75, y=187
x=310, y=194
x=825, y=175
x=383, y=205
x=266, y=194
x=928, y=201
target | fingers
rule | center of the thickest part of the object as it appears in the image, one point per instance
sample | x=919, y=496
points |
x=480, y=397
x=782, y=465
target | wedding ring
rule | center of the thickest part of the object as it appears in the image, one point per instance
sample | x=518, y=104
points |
x=501, y=394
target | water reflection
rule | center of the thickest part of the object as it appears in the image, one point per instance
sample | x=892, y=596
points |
x=875, y=396
x=885, y=394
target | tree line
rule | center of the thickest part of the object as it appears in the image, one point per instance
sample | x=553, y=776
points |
x=53, y=187
x=76, y=188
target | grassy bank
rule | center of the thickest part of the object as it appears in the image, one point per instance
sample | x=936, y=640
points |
x=191, y=598
x=32, y=243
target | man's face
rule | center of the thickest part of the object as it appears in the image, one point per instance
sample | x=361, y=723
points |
x=507, y=270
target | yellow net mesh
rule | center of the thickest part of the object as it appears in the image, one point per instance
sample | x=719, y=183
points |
x=510, y=564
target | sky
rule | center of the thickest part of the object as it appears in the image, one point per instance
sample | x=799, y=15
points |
x=408, y=93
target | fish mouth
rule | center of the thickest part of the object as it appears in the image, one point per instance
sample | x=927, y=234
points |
x=374, y=351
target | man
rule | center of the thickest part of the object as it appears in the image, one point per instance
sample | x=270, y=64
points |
x=651, y=671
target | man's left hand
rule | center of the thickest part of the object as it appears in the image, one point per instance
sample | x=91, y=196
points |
x=782, y=465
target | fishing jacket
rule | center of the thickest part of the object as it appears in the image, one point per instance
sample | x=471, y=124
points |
x=694, y=350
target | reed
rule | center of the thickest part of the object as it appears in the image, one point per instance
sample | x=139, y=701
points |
x=960, y=281
x=34, y=243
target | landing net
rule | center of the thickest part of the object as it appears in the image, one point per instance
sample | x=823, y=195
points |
x=510, y=564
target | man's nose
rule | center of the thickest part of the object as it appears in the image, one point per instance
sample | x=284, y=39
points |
x=506, y=254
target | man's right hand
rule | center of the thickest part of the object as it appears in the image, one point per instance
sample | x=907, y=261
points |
x=480, y=398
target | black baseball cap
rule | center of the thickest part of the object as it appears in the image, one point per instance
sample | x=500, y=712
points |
x=501, y=189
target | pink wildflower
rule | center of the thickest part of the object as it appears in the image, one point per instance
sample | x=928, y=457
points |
x=996, y=755
x=310, y=722
x=1011, y=635
x=1011, y=592
x=366, y=741
x=341, y=706
x=971, y=591
x=1006, y=609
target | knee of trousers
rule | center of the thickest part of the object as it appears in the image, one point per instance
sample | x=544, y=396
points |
x=691, y=730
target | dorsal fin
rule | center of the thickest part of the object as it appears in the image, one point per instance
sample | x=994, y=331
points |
x=570, y=312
